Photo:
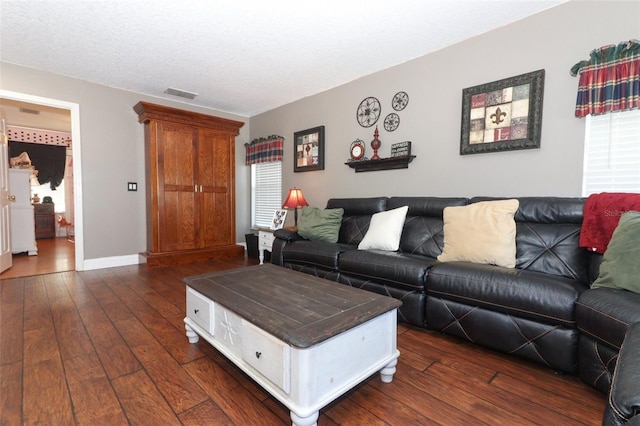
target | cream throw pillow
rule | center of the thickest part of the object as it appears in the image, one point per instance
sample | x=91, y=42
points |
x=385, y=230
x=483, y=232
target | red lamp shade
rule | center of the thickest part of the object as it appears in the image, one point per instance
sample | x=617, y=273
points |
x=294, y=200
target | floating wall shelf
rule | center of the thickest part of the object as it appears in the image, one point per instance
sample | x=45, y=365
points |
x=381, y=164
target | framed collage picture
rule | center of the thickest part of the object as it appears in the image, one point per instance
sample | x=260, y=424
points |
x=503, y=115
x=278, y=219
x=308, y=150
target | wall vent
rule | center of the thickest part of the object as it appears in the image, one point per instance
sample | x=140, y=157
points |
x=180, y=93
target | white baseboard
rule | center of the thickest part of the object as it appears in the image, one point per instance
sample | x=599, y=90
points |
x=110, y=262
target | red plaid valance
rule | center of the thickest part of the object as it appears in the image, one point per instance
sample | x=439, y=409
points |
x=609, y=80
x=264, y=150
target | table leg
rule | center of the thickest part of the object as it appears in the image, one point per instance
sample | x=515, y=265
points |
x=261, y=255
x=191, y=335
x=386, y=374
x=311, y=420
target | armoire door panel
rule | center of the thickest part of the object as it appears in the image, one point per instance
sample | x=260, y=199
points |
x=177, y=154
x=178, y=222
x=205, y=161
x=214, y=169
x=215, y=221
x=223, y=155
x=214, y=151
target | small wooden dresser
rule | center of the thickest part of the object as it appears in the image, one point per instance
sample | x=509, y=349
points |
x=45, y=220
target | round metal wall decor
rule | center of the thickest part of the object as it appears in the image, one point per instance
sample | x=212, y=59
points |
x=391, y=122
x=400, y=101
x=368, y=112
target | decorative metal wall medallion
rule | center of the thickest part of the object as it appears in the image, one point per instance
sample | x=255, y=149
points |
x=368, y=112
x=391, y=122
x=400, y=101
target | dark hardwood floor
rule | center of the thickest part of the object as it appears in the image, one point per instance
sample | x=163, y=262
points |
x=108, y=347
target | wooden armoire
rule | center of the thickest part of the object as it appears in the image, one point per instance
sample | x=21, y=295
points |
x=190, y=185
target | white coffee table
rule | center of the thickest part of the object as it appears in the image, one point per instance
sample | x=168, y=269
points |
x=304, y=339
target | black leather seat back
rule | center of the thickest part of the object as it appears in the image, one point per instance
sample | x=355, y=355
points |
x=548, y=234
x=423, y=227
x=357, y=216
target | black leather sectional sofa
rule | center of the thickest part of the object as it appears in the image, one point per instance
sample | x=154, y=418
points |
x=542, y=310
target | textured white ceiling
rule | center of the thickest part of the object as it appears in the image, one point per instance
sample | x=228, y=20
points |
x=240, y=56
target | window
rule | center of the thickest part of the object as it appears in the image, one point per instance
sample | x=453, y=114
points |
x=57, y=196
x=612, y=153
x=266, y=192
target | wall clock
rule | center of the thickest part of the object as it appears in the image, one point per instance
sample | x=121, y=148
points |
x=391, y=122
x=368, y=112
x=400, y=101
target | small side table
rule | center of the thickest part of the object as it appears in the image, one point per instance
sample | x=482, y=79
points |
x=265, y=242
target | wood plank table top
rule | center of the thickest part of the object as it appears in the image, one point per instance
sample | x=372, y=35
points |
x=300, y=309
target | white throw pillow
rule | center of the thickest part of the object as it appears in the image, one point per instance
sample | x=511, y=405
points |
x=385, y=230
x=483, y=232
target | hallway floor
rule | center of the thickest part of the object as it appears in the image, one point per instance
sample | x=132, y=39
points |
x=54, y=255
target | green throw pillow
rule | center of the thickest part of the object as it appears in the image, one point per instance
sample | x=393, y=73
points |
x=620, y=266
x=320, y=225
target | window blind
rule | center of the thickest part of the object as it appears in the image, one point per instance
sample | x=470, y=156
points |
x=612, y=153
x=266, y=190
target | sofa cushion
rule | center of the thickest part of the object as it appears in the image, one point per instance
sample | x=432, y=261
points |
x=413, y=300
x=395, y=269
x=316, y=253
x=320, y=225
x=423, y=233
x=533, y=295
x=547, y=236
x=483, y=232
x=620, y=267
x=552, y=249
x=385, y=230
x=356, y=217
x=551, y=345
x=606, y=313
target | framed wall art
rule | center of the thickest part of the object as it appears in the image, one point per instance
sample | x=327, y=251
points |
x=503, y=115
x=308, y=150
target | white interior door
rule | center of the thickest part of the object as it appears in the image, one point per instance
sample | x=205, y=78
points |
x=5, y=211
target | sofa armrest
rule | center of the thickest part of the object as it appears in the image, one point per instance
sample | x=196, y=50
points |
x=282, y=238
x=287, y=235
x=624, y=397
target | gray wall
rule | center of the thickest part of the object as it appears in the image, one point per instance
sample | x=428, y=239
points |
x=553, y=40
x=112, y=144
x=112, y=139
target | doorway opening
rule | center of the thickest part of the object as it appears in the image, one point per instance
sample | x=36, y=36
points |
x=59, y=249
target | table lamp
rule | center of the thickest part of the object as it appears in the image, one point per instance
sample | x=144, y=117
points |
x=294, y=200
